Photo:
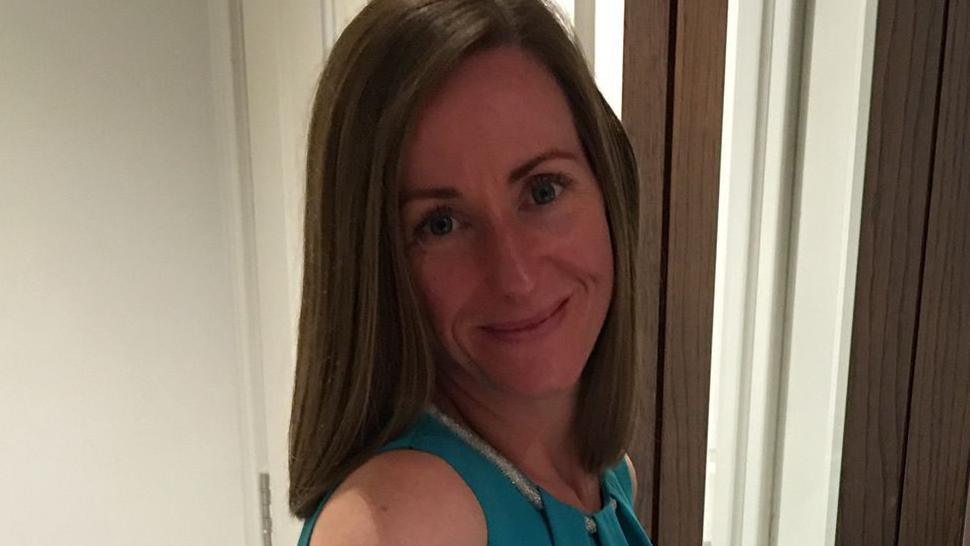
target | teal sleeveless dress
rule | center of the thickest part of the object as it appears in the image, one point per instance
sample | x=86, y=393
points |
x=509, y=516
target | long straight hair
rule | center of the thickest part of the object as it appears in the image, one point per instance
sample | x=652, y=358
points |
x=365, y=365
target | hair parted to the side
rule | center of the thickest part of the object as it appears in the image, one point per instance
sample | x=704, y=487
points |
x=365, y=367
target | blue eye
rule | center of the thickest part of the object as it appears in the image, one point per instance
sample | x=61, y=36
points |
x=545, y=189
x=439, y=223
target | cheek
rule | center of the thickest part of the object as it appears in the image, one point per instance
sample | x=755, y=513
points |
x=601, y=267
x=443, y=285
x=590, y=245
x=604, y=255
x=598, y=245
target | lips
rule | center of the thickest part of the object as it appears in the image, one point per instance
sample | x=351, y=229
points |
x=526, y=324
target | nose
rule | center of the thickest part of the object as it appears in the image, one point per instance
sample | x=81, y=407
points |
x=510, y=261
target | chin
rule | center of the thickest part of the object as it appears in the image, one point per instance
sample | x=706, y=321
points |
x=534, y=378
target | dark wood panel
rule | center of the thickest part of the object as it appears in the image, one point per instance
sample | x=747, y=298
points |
x=672, y=102
x=909, y=39
x=934, y=488
x=698, y=96
x=645, y=112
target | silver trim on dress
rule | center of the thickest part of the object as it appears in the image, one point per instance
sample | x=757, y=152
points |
x=525, y=486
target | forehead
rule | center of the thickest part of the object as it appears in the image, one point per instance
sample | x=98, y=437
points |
x=497, y=109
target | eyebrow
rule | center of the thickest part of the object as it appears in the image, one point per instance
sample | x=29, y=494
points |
x=522, y=170
x=515, y=175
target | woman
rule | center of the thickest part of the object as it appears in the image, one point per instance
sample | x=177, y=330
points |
x=466, y=370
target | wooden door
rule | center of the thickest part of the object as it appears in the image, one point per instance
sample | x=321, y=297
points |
x=673, y=78
x=906, y=454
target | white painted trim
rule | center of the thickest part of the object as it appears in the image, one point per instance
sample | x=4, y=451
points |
x=608, y=51
x=328, y=22
x=760, y=124
x=832, y=144
x=585, y=14
x=231, y=122
x=793, y=164
x=282, y=58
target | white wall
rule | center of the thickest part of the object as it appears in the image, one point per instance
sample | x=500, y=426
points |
x=120, y=345
x=281, y=56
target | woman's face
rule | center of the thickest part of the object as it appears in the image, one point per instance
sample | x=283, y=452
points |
x=505, y=228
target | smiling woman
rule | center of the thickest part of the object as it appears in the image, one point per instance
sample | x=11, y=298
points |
x=466, y=368
x=524, y=229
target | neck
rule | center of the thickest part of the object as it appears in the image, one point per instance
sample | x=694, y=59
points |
x=537, y=436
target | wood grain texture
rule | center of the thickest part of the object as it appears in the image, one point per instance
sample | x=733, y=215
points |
x=909, y=39
x=645, y=118
x=698, y=98
x=672, y=97
x=934, y=488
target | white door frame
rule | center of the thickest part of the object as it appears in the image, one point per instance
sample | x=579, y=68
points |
x=833, y=137
x=796, y=106
x=277, y=56
x=232, y=124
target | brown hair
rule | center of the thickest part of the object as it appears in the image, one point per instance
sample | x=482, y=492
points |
x=365, y=365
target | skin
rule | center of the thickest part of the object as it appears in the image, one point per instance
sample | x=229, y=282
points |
x=508, y=244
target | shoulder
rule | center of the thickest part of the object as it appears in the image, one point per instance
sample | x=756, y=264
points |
x=401, y=497
x=633, y=476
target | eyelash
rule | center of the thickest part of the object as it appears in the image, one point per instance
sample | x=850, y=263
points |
x=422, y=226
x=563, y=181
x=559, y=179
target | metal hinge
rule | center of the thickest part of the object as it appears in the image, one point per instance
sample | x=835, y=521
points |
x=264, y=500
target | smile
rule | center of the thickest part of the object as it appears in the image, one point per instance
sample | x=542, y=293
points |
x=528, y=329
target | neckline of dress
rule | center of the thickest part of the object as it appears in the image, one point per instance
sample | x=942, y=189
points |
x=529, y=489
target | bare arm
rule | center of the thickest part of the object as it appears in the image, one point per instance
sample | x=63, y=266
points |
x=398, y=498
